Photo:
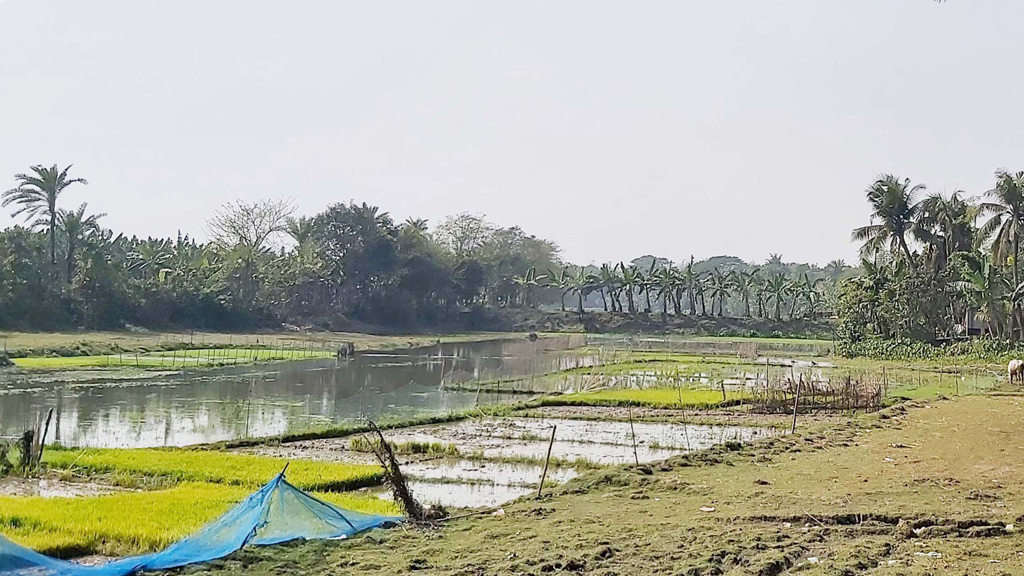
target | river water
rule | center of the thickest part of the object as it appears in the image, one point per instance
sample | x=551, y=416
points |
x=146, y=409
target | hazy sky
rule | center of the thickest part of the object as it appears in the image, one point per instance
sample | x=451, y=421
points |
x=615, y=129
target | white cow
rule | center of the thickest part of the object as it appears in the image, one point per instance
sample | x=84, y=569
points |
x=1015, y=371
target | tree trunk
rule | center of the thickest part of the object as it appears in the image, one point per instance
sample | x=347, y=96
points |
x=579, y=293
x=906, y=249
x=70, y=262
x=53, y=239
x=746, y=305
x=563, y=301
x=693, y=303
x=604, y=300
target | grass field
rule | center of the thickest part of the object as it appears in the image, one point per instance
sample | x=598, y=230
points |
x=132, y=467
x=926, y=490
x=135, y=522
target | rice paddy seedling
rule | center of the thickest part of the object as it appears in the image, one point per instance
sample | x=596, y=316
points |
x=134, y=522
x=364, y=444
x=212, y=466
x=653, y=397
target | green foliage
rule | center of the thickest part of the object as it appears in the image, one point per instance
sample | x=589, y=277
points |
x=214, y=466
x=984, y=349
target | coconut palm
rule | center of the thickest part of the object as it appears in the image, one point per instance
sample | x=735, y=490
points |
x=893, y=204
x=1007, y=221
x=77, y=228
x=945, y=226
x=36, y=197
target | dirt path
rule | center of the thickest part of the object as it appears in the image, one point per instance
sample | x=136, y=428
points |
x=928, y=491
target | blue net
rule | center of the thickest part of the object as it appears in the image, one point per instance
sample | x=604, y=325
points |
x=277, y=512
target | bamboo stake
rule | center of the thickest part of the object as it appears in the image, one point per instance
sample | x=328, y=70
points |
x=544, y=474
x=632, y=431
x=796, y=405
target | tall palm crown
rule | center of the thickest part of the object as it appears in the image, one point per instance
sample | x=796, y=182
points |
x=893, y=204
x=77, y=228
x=1007, y=209
x=36, y=197
x=946, y=226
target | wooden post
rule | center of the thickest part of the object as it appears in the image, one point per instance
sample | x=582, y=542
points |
x=544, y=474
x=632, y=431
x=723, y=391
x=796, y=405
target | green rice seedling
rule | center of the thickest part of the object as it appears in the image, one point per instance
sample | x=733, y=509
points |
x=138, y=467
x=651, y=397
x=364, y=444
x=134, y=522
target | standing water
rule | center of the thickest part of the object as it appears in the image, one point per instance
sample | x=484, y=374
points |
x=191, y=407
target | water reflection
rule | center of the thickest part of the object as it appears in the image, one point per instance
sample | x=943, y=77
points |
x=227, y=403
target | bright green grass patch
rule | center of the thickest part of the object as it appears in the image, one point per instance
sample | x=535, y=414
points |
x=134, y=522
x=172, y=359
x=654, y=397
x=214, y=466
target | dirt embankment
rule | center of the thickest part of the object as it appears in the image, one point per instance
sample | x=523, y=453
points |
x=930, y=488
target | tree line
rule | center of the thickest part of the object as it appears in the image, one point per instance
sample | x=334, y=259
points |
x=937, y=266
x=351, y=263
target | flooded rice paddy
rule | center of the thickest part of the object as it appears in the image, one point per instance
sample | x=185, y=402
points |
x=134, y=408
x=500, y=459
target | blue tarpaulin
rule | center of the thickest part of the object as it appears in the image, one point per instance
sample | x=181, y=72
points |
x=277, y=512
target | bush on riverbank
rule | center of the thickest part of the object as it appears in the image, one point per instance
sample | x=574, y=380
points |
x=984, y=349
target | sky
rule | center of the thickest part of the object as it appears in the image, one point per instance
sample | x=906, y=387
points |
x=615, y=129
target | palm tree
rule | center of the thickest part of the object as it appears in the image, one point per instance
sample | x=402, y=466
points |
x=415, y=225
x=608, y=281
x=745, y=282
x=778, y=288
x=77, y=227
x=946, y=226
x=893, y=204
x=579, y=283
x=151, y=257
x=835, y=269
x=526, y=283
x=985, y=290
x=806, y=289
x=301, y=229
x=720, y=288
x=36, y=196
x=631, y=279
x=560, y=281
x=664, y=280
x=1007, y=209
x=690, y=279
